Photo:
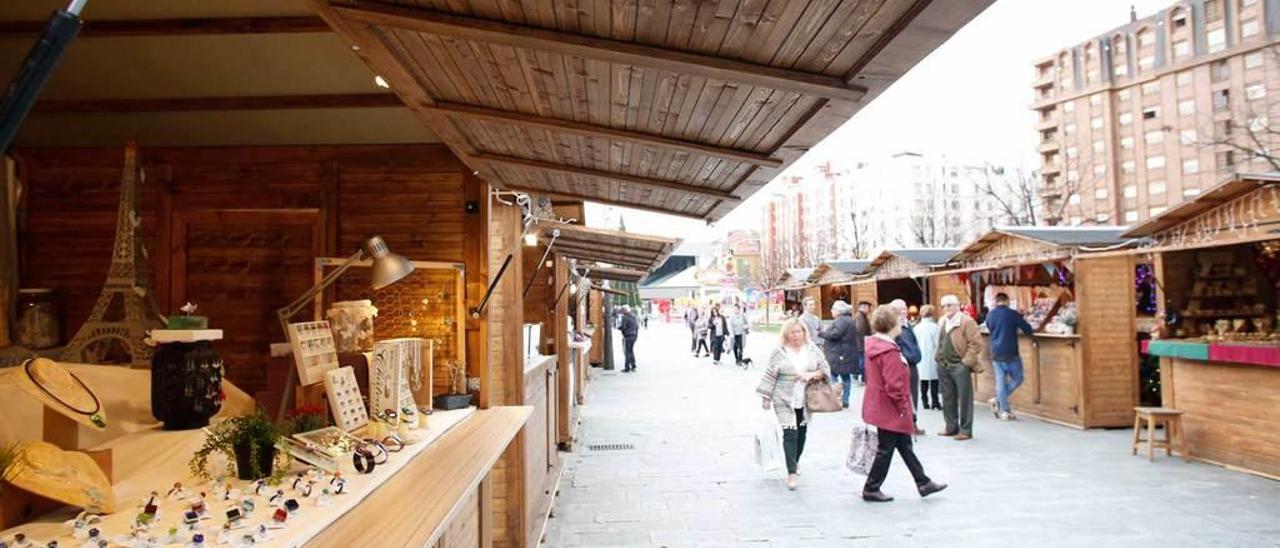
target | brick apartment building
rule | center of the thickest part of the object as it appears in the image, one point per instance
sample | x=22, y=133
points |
x=1136, y=120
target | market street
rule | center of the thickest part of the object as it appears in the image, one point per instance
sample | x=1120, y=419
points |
x=691, y=479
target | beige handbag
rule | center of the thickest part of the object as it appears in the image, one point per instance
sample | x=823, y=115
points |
x=821, y=396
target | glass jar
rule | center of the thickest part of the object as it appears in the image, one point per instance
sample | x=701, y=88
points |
x=352, y=325
x=38, y=326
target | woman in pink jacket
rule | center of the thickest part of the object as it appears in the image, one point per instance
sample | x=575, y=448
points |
x=886, y=405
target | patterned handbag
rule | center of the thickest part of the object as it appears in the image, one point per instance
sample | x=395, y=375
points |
x=862, y=449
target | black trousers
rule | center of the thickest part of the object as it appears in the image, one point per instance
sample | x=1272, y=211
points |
x=701, y=346
x=890, y=441
x=629, y=346
x=929, y=393
x=738, y=341
x=693, y=334
x=717, y=347
x=793, y=442
x=915, y=393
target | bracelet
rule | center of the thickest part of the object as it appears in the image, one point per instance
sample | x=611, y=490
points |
x=381, y=454
x=363, y=461
x=392, y=443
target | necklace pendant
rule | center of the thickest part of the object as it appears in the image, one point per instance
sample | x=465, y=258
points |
x=98, y=421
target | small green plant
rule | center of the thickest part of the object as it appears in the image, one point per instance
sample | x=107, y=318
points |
x=305, y=419
x=245, y=441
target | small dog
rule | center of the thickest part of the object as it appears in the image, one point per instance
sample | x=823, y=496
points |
x=746, y=363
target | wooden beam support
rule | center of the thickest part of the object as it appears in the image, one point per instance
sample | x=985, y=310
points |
x=581, y=253
x=644, y=255
x=193, y=104
x=590, y=47
x=607, y=175
x=604, y=132
x=176, y=27
x=536, y=191
x=619, y=262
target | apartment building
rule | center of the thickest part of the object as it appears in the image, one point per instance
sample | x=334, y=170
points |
x=1136, y=120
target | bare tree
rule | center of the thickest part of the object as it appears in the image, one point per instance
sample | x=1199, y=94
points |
x=857, y=239
x=1015, y=194
x=931, y=220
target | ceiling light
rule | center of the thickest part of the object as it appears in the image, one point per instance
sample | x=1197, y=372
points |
x=381, y=83
x=531, y=239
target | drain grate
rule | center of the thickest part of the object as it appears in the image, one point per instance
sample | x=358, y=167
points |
x=611, y=447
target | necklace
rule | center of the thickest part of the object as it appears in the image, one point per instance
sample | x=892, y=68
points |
x=94, y=417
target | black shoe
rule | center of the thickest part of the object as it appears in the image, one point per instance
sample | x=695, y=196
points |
x=929, y=488
x=876, y=496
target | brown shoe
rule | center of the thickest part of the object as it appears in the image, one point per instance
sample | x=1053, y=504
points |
x=962, y=436
x=946, y=434
x=876, y=496
x=920, y=431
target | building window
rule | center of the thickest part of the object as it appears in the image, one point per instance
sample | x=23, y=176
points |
x=1217, y=39
x=1181, y=48
x=1074, y=199
x=1150, y=113
x=1187, y=107
x=1095, y=99
x=1258, y=123
x=1095, y=123
x=1156, y=187
x=1223, y=129
x=1249, y=28
x=1102, y=217
x=1225, y=160
x=1128, y=166
x=1126, y=142
x=1099, y=146
x=1072, y=152
x=1253, y=60
x=1123, y=95
x=1100, y=194
x=1155, y=162
x=1146, y=38
x=1179, y=18
x=1069, y=129
x=1190, y=192
x=1146, y=62
x=1188, y=136
x=1130, y=216
x=1073, y=176
x=1151, y=88
x=1076, y=220
x=1247, y=3
x=1213, y=10
x=1126, y=118
x=1069, y=106
x=1156, y=210
x=1222, y=100
x=1099, y=170
x=1219, y=71
x=1255, y=91
x=1190, y=167
x=1154, y=137
x=1130, y=191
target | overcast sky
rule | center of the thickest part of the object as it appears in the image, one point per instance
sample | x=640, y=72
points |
x=969, y=100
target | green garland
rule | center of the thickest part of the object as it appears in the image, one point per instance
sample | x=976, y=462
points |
x=257, y=430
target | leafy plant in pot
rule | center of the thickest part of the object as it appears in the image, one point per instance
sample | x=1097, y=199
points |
x=248, y=442
x=457, y=398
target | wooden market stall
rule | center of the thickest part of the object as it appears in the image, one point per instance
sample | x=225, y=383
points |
x=832, y=280
x=1081, y=368
x=900, y=274
x=1218, y=271
x=795, y=286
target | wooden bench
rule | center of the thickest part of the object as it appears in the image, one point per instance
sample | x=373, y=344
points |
x=1170, y=420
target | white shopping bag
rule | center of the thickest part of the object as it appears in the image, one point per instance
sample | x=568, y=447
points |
x=768, y=443
x=862, y=449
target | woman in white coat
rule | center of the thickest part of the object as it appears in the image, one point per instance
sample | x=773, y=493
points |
x=927, y=333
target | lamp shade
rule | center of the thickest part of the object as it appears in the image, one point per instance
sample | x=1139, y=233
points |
x=388, y=267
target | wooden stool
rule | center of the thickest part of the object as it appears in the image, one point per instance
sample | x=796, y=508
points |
x=1171, y=420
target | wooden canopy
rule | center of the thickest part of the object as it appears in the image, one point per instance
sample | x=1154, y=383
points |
x=794, y=278
x=629, y=254
x=613, y=274
x=1010, y=245
x=893, y=264
x=674, y=106
x=1227, y=191
x=838, y=272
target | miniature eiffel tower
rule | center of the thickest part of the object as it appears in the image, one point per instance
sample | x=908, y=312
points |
x=125, y=309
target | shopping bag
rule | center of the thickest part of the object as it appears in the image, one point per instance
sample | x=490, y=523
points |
x=821, y=396
x=768, y=442
x=862, y=449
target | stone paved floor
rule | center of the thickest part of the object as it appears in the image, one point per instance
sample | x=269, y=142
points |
x=691, y=480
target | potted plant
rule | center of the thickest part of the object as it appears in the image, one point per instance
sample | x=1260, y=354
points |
x=248, y=442
x=457, y=398
x=305, y=419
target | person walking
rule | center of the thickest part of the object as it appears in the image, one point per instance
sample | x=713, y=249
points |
x=927, y=334
x=739, y=326
x=700, y=336
x=959, y=345
x=691, y=319
x=910, y=348
x=630, y=329
x=718, y=328
x=863, y=324
x=811, y=320
x=1003, y=323
x=841, y=346
x=886, y=405
x=792, y=365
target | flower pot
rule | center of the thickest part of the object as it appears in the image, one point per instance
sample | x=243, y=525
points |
x=245, y=470
x=449, y=402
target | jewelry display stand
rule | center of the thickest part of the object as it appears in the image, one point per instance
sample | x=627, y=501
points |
x=186, y=377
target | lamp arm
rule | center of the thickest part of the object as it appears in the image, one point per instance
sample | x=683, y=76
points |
x=291, y=309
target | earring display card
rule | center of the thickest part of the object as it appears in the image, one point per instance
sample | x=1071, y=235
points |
x=313, y=351
x=394, y=361
x=345, y=401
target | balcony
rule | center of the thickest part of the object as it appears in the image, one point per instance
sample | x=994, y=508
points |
x=1052, y=167
x=1047, y=123
x=1049, y=145
x=1050, y=191
x=1043, y=81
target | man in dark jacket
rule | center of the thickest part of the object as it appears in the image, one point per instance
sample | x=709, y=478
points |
x=841, y=344
x=862, y=323
x=910, y=347
x=630, y=329
x=1003, y=323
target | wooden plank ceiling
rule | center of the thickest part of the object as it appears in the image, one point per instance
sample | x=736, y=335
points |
x=677, y=106
x=624, y=256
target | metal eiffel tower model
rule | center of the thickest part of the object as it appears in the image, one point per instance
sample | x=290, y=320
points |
x=125, y=309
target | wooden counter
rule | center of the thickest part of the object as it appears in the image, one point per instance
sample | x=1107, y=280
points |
x=1230, y=411
x=541, y=457
x=1051, y=380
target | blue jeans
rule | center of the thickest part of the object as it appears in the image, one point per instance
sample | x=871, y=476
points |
x=859, y=366
x=1008, y=379
x=847, y=379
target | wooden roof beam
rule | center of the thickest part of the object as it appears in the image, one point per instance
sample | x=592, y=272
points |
x=192, y=104
x=620, y=255
x=593, y=198
x=607, y=175
x=176, y=27
x=603, y=132
x=621, y=249
x=605, y=258
x=590, y=47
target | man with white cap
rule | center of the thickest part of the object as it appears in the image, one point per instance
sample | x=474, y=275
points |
x=959, y=346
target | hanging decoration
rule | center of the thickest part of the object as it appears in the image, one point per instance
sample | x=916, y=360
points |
x=1144, y=285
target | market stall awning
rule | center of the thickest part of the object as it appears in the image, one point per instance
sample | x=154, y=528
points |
x=838, y=272
x=1009, y=245
x=679, y=107
x=624, y=250
x=202, y=73
x=1224, y=192
x=613, y=274
x=794, y=278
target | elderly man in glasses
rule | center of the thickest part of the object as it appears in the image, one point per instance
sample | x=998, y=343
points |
x=959, y=346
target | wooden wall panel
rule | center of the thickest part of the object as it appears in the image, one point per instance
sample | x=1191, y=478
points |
x=464, y=532
x=1109, y=382
x=947, y=284
x=864, y=291
x=540, y=291
x=541, y=459
x=1230, y=412
x=504, y=320
x=1051, y=380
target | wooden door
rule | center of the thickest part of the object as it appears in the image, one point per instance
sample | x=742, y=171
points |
x=239, y=266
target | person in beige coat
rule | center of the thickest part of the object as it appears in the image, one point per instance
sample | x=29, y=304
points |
x=959, y=346
x=793, y=365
